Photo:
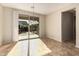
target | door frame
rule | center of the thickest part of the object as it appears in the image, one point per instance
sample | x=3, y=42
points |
x=75, y=23
x=15, y=23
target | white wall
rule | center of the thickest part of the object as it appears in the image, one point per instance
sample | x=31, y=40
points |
x=1, y=18
x=7, y=25
x=77, y=26
x=53, y=26
x=42, y=26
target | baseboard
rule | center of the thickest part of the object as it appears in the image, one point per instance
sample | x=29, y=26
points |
x=77, y=46
x=51, y=37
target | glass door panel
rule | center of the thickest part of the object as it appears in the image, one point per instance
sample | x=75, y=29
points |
x=34, y=27
x=23, y=26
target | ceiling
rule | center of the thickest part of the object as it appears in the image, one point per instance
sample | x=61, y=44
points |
x=41, y=8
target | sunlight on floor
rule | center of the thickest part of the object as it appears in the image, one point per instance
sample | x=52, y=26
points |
x=37, y=48
x=25, y=35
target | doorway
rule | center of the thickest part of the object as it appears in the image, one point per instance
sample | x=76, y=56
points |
x=69, y=27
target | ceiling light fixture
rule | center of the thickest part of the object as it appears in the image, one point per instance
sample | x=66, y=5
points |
x=28, y=52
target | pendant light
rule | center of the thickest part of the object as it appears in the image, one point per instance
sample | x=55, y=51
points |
x=28, y=52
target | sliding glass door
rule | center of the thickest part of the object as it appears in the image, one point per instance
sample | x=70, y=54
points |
x=24, y=23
